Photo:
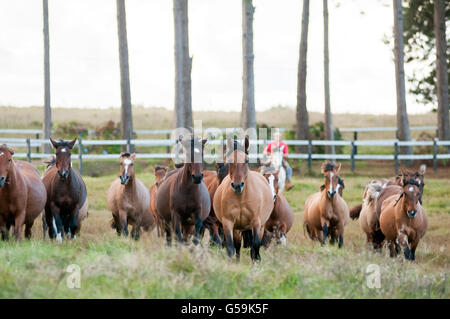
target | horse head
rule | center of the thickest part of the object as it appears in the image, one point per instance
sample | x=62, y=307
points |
x=331, y=172
x=63, y=152
x=193, y=148
x=411, y=192
x=237, y=159
x=126, y=167
x=6, y=153
x=160, y=172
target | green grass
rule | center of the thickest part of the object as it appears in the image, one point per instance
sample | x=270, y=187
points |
x=113, y=267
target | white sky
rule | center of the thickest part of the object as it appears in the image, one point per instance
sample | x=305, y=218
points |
x=85, y=67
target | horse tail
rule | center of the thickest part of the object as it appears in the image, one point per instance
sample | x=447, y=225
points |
x=355, y=211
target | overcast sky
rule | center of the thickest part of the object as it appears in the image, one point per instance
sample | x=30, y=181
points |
x=85, y=67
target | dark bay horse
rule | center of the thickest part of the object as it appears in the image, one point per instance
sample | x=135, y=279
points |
x=182, y=200
x=129, y=200
x=67, y=203
x=243, y=201
x=22, y=194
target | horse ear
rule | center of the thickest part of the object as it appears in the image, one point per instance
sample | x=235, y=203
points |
x=72, y=143
x=121, y=154
x=11, y=149
x=54, y=144
x=133, y=156
x=247, y=143
x=338, y=168
x=422, y=169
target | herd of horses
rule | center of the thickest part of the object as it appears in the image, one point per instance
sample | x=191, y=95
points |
x=235, y=204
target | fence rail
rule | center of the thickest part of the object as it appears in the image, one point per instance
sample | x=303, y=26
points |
x=352, y=155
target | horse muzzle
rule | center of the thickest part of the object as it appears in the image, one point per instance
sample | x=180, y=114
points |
x=238, y=189
x=197, y=178
x=412, y=213
x=331, y=194
x=124, y=179
x=2, y=181
x=63, y=174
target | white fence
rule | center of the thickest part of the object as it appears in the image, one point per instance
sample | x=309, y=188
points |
x=28, y=144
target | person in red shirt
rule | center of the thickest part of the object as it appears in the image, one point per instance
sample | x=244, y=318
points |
x=277, y=142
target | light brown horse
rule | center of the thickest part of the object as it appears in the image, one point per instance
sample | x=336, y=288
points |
x=403, y=220
x=282, y=218
x=160, y=172
x=129, y=200
x=375, y=193
x=67, y=204
x=182, y=200
x=326, y=212
x=243, y=201
x=22, y=194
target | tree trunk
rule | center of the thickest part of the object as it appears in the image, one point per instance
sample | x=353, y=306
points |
x=127, y=118
x=248, y=113
x=402, y=116
x=47, y=123
x=302, y=131
x=329, y=133
x=441, y=70
x=183, y=66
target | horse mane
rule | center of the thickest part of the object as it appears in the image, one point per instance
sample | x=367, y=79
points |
x=125, y=155
x=328, y=166
x=7, y=148
x=51, y=161
x=179, y=165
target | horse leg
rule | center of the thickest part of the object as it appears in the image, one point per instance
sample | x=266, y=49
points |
x=177, y=227
x=168, y=233
x=18, y=223
x=3, y=229
x=413, y=249
x=256, y=244
x=237, y=241
x=135, y=231
x=324, y=233
x=74, y=223
x=124, y=222
x=227, y=230
x=198, y=227
x=44, y=225
x=403, y=241
x=28, y=227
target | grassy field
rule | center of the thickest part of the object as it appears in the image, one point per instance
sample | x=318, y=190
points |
x=113, y=267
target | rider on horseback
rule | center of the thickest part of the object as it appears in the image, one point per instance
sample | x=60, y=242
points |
x=278, y=144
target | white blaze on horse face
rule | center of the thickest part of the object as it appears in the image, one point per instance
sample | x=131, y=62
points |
x=127, y=163
x=63, y=150
x=272, y=188
x=1, y=153
x=331, y=183
x=411, y=189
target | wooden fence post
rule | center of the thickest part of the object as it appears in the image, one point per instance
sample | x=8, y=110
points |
x=28, y=150
x=37, y=147
x=355, y=138
x=80, y=156
x=168, y=147
x=353, y=155
x=396, y=156
x=435, y=151
x=128, y=146
x=310, y=156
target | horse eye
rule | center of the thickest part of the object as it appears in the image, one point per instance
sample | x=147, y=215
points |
x=9, y=161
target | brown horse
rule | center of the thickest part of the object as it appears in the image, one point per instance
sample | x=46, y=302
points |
x=326, y=212
x=375, y=193
x=243, y=201
x=403, y=220
x=281, y=219
x=67, y=203
x=129, y=200
x=160, y=172
x=22, y=194
x=182, y=200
